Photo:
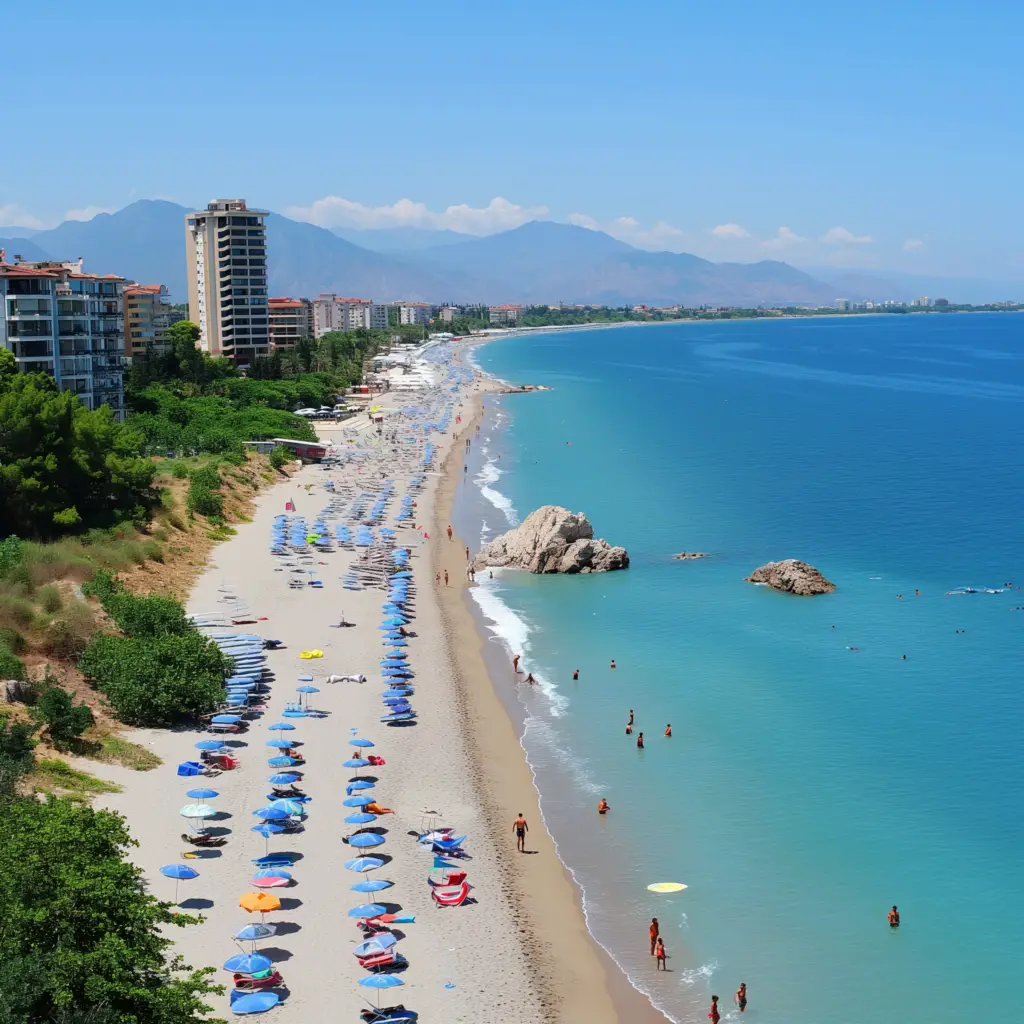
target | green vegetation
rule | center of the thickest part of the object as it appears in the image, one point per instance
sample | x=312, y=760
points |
x=204, y=495
x=115, y=750
x=63, y=468
x=281, y=456
x=16, y=754
x=83, y=942
x=51, y=775
x=64, y=719
x=163, y=670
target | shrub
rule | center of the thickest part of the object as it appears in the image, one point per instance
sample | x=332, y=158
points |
x=155, y=681
x=12, y=550
x=202, y=501
x=63, y=718
x=50, y=599
x=137, y=616
x=70, y=632
x=16, y=754
x=280, y=456
x=16, y=612
x=11, y=666
x=206, y=476
x=12, y=640
x=179, y=471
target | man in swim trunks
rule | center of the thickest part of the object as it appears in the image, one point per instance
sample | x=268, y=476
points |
x=640, y=741
x=741, y=996
x=520, y=828
x=894, y=917
x=602, y=807
x=655, y=931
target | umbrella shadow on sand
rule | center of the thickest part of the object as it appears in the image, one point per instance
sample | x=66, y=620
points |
x=289, y=903
x=194, y=854
x=275, y=953
x=287, y=927
x=220, y=816
x=218, y=831
x=195, y=903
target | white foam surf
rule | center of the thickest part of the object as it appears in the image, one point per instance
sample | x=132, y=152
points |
x=491, y=474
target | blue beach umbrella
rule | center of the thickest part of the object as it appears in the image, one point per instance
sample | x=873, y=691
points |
x=293, y=807
x=294, y=713
x=364, y=840
x=248, y=963
x=381, y=981
x=371, y=885
x=282, y=727
x=282, y=779
x=307, y=689
x=253, y=1002
x=281, y=744
x=210, y=745
x=367, y=910
x=354, y=787
x=357, y=801
x=352, y=762
x=363, y=863
x=272, y=813
x=281, y=761
x=361, y=818
x=254, y=932
x=178, y=872
x=201, y=794
x=360, y=742
x=272, y=873
x=226, y=719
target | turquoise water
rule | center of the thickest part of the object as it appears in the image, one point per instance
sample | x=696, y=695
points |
x=807, y=786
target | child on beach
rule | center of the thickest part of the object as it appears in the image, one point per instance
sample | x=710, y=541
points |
x=659, y=953
x=714, y=1016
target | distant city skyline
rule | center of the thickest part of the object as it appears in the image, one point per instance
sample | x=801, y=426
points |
x=740, y=134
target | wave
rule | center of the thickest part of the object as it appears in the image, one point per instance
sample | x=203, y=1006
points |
x=490, y=474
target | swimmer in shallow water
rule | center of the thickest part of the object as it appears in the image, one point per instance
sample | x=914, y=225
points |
x=612, y=665
x=602, y=807
x=668, y=730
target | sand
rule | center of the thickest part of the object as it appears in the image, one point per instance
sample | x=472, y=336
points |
x=520, y=952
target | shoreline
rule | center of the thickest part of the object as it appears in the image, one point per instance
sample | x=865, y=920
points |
x=577, y=977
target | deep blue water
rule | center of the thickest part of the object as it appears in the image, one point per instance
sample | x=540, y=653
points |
x=807, y=786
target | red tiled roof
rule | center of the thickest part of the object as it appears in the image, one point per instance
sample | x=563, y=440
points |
x=15, y=269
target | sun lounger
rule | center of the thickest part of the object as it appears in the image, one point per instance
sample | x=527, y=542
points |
x=451, y=896
x=255, y=982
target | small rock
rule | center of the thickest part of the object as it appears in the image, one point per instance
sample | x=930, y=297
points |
x=792, y=576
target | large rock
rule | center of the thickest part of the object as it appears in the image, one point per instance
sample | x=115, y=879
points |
x=792, y=577
x=552, y=539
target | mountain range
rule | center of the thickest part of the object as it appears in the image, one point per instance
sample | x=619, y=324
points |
x=539, y=262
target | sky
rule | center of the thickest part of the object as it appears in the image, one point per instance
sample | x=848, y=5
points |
x=863, y=135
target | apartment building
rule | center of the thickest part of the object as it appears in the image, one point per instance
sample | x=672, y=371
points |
x=333, y=313
x=415, y=313
x=505, y=314
x=147, y=315
x=59, y=320
x=290, y=319
x=226, y=262
x=379, y=315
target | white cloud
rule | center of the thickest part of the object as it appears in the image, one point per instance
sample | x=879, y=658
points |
x=783, y=239
x=660, y=235
x=12, y=215
x=87, y=212
x=498, y=215
x=913, y=245
x=583, y=220
x=840, y=236
x=730, y=231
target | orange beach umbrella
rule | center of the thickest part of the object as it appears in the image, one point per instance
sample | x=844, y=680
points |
x=259, y=902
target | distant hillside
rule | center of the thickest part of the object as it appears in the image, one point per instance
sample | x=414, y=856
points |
x=24, y=247
x=538, y=262
x=400, y=240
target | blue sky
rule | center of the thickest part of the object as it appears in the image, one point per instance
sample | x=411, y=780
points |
x=868, y=134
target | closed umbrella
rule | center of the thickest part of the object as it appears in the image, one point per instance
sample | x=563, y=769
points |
x=178, y=872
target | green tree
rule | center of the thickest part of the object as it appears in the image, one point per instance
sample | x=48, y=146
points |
x=156, y=681
x=63, y=718
x=16, y=755
x=63, y=466
x=82, y=940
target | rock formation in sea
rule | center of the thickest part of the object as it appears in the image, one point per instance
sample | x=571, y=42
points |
x=792, y=577
x=552, y=539
x=685, y=556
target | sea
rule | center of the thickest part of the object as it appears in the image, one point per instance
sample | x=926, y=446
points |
x=830, y=756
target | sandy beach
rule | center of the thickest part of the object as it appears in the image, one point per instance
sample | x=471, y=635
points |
x=519, y=950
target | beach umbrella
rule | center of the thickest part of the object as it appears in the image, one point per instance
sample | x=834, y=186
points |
x=282, y=727
x=354, y=787
x=254, y=932
x=352, y=762
x=267, y=829
x=271, y=813
x=271, y=881
x=198, y=811
x=201, y=794
x=368, y=910
x=395, y=620
x=381, y=981
x=363, y=863
x=392, y=663
x=280, y=744
x=357, y=801
x=178, y=872
x=378, y=944
x=291, y=806
x=294, y=713
x=364, y=840
x=259, y=902
x=226, y=719
x=282, y=761
x=371, y=885
x=307, y=689
x=248, y=963
x=210, y=745
x=360, y=742
x=273, y=873
x=253, y=1002
x=283, y=779
x=360, y=818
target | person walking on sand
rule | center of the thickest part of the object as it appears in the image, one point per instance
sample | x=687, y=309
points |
x=655, y=931
x=520, y=828
x=640, y=741
x=659, y=952
x=467, y=552
x=446, y=577
x=741, y=997
x=449, y=532
x=714, y=1016
x=515, y=663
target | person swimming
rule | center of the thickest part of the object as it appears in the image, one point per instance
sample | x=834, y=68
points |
x=575, y=673
x=894, y=917
x=640, y=741
x=602, y=807
x=612, y=665
x=668, y=730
